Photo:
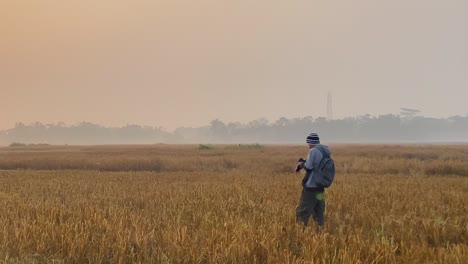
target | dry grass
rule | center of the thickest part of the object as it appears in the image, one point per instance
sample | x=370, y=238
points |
x=178, y=204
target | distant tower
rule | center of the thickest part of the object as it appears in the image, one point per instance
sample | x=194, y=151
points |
x=408, y=113
x=329, y=107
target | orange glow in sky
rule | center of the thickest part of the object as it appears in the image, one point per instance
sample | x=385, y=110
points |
x=184, y=63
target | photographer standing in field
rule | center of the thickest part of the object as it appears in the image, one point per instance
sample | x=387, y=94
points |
x=320, y=171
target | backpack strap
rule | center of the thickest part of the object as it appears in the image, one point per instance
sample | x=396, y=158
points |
x=322, y=151
x=324, y=155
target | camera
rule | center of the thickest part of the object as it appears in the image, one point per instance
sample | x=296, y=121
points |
x=300, y=164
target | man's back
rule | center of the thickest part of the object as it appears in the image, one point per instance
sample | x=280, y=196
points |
x=311, y=165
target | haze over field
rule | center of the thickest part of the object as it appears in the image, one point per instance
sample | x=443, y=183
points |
x=185, y=63
x=171, y=131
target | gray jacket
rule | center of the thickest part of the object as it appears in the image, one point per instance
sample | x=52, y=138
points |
x=311, y=165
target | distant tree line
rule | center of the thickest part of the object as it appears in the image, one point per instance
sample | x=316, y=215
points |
x=82, y=134
x=384, y=128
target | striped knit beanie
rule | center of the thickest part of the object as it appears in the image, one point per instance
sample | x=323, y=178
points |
x=313, y=139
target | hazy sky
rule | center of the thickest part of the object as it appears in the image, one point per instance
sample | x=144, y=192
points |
x=184, y=63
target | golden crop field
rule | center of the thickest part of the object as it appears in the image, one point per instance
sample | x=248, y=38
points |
x=230, y=204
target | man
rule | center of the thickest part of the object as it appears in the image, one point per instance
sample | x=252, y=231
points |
x=312, y=201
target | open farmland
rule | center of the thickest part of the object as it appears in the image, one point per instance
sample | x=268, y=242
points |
x=230, y=204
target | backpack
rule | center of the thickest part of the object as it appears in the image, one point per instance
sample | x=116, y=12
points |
x=325, y=173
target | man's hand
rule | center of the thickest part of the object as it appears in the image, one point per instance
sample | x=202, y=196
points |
x=300, y=164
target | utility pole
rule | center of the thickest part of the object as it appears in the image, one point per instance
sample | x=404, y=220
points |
x=329, y=107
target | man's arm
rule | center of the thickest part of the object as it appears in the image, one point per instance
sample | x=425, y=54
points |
x=312, y=159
